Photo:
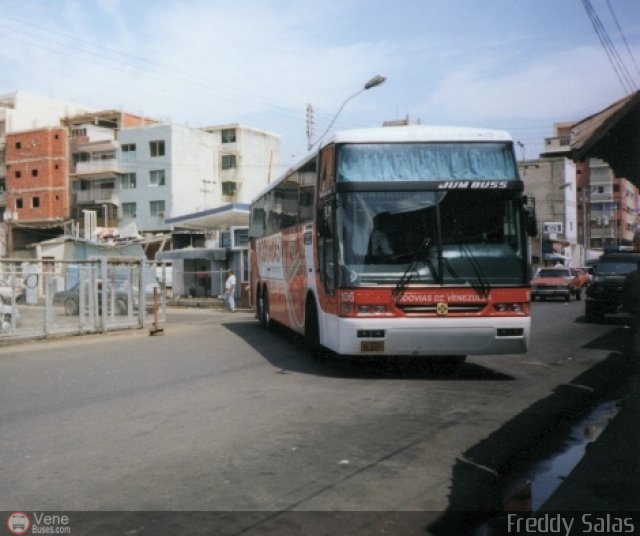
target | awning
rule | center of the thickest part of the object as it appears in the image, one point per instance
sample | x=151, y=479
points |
x=214, y=219
x=613, y=135
x=209, y=254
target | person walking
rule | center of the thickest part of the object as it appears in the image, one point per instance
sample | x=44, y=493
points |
x=230, y=291
x=631, y=304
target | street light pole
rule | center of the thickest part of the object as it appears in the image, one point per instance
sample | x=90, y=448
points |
x=374, y=82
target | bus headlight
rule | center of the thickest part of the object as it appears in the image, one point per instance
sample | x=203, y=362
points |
x=509, y=307
x=372, y=309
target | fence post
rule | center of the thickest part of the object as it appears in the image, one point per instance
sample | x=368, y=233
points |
x=104, y=294
x=46, y=281
x=142, y=306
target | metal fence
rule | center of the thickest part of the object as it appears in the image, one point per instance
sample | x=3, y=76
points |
x=50, y=298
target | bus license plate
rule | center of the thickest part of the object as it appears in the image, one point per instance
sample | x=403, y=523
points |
x=372, y=346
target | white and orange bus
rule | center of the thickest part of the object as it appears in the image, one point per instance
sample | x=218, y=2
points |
x=406, y=240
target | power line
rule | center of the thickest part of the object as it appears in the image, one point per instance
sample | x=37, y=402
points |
x=615, y=60
x=624, y=39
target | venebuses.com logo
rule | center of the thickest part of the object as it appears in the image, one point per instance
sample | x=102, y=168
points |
x=18, y=523
x=38, y=523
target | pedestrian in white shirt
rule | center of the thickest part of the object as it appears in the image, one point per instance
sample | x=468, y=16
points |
x=230, y=291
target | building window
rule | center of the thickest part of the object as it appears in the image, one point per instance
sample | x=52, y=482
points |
x=18, y=145
x=35, y=202
x=156, y=208
x=228, y=135
x=18, y=173
x=18, y=203
x=78, y=132
x=103, y=155
x=156, y=148
x=34, y=172
x=128, y=181
x=229, y=188
x=228, y=161
x=128, y=210
x=128, y=147
x=156, y=177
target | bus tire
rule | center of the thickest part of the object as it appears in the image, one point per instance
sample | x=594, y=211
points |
x=312, y=330
x=263, y=309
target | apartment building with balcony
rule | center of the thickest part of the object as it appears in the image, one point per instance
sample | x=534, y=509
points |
x=137, y=171
x=607, y=206
x=613, y=208
x=96, y=164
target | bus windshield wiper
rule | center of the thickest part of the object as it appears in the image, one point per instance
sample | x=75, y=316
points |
x=483, y=287
x=412, y=269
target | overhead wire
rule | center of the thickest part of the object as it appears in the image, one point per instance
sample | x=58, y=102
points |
x=123, y=61
x=623, y=37
x=622, y=73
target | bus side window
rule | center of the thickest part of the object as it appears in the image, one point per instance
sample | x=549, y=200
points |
x=258, y=222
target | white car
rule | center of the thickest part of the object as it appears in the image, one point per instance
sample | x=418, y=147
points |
x=6, y=291
x=7, y=315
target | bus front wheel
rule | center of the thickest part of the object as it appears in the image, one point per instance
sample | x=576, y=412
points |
x=312, y=330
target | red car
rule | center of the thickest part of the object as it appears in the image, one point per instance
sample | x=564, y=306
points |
x=559, y=282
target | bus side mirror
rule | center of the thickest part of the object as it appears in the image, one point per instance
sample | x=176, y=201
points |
x=531, y=222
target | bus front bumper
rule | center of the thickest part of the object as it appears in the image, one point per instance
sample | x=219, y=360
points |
x=434, y=336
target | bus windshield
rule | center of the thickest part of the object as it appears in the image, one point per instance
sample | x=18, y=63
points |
x=458, y=237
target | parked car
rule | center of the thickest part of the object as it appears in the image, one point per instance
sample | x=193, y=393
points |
x=7, y=290
x=557, y=282
x=9, y=316
x=70, y=299
x=604, y=294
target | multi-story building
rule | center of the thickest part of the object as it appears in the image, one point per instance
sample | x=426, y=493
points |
x=550, y=185
x=130, y=170
x=34, y=188
x=613, y=208
x=117, y=169
x=247, y=160
x=37, y=177
x=607, y=206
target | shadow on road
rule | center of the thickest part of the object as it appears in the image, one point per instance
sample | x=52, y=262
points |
x=285, y=350
x=481, y=474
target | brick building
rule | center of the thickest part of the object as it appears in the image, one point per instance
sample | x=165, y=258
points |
x=37, y=183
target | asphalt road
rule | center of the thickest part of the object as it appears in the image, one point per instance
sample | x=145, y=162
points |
x=217, y=414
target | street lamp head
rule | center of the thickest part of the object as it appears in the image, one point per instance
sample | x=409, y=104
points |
x=375, y=81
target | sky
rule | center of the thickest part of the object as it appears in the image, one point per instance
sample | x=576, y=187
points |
x=518, y=65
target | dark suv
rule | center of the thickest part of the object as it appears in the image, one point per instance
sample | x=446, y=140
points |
x=604, y=294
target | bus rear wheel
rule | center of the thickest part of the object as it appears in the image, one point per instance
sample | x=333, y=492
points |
x=263, y=309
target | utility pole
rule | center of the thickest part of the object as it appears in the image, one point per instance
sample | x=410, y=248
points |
x=309, y=126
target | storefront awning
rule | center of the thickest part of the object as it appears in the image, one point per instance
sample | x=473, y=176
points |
x=214, y=219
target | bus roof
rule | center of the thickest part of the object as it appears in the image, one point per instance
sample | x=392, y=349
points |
x=416, y=133
x=398, y=134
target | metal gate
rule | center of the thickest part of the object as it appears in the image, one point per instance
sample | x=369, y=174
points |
x=49, y=298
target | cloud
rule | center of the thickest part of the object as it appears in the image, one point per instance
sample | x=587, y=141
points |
x=563, y=86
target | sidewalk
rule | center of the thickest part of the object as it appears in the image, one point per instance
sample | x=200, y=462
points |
x=205, y=303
